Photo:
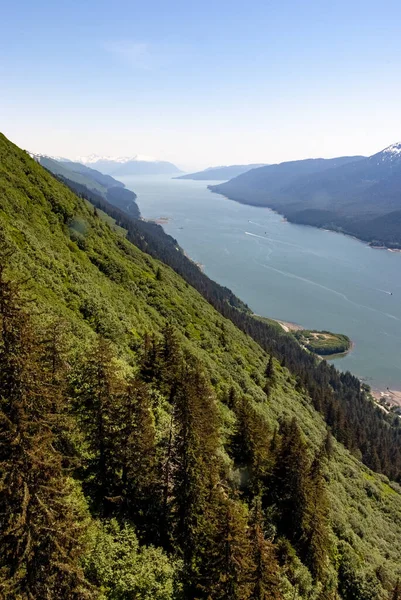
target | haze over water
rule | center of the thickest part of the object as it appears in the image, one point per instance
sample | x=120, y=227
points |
x=316, y=278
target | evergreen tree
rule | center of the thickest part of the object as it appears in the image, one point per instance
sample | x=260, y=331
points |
x=227, y=567
x=99, y=389
x=270, y=377
x=250, y=445
x=40, y=527
x=315, y=520
x=54, y=347
x=137, y=453
x=149, y=359
x=289, y=482
x=195, y=469
x=171, y=359
x=265, y=576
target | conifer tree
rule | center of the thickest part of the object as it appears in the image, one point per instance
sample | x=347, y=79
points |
x=250, y=445
x=270, y=377
x=289, y=482
x=54, y=347
x=195, y=469
x=149, y=360
x=265, y=576
x=170, y=359
x=137, y=453
x=40, y=527
x=227, y=567
x=98, y=390
x=315, y=519
x=269, y=372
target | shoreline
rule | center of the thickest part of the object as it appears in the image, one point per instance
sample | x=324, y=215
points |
x=289, y=327
x=289, y=220
x=391, y=397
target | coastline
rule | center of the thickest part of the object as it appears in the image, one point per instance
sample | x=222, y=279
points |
x=386, y=400
x=391, y=397
x=367, y=243
x=289, y=327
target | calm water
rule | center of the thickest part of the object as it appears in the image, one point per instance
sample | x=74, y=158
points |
x=319, y=279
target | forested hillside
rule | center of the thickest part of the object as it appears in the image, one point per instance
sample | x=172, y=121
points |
x=81, y=177
x=355, y=422
x=149, y=447
x=361, y=196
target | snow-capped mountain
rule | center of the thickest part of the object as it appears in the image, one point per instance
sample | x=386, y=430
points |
x=392, y=153
x=94, y=158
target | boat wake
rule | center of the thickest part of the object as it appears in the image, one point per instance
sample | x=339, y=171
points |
x=255, y=235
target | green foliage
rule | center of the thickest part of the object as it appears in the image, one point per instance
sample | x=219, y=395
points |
x=122, y=569
x=41, y=524
x=323, y=343
x=172, y=435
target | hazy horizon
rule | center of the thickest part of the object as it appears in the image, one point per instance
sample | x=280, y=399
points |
x=214, y=85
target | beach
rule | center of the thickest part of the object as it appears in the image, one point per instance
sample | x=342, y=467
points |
x=393, y=397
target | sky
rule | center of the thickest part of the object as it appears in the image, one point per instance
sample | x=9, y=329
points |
x=201, y=83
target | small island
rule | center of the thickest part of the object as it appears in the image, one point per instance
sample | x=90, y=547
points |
x=323, y=343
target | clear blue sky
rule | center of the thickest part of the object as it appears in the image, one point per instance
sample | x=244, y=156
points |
x=201, y=83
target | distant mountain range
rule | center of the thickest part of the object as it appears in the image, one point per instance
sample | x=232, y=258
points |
x=356, y=195
x=220, y=173
x=86, y=182
x=129, y=165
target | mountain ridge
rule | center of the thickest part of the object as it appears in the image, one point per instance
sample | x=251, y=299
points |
x=83, y=177
x=124, y=166
x=352, y=198
x=220, y=173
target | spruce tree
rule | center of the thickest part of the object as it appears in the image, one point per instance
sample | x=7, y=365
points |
x=270, y=377
x=315, y=543
x=99, y=388
x=250, y=445
x=171, y=358
x=265, y=576
x=289, y=482
x=194, y=468
x=227, y=567
x=40, y=527
x=137, y=453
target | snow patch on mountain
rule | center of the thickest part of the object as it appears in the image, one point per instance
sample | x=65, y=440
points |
x=94, y=158
x=392, y=152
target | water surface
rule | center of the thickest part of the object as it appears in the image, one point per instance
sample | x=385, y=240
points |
x=316, y=278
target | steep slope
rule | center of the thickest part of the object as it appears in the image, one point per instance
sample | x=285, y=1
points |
x=84, y=179
x=105, y=180
x=220, y=173
x=337, y=396
x=353, y=197
x=79, y=176
x=81, y=268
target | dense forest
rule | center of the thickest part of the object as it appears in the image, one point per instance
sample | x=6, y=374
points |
x=156, y=445
x=82, y=178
